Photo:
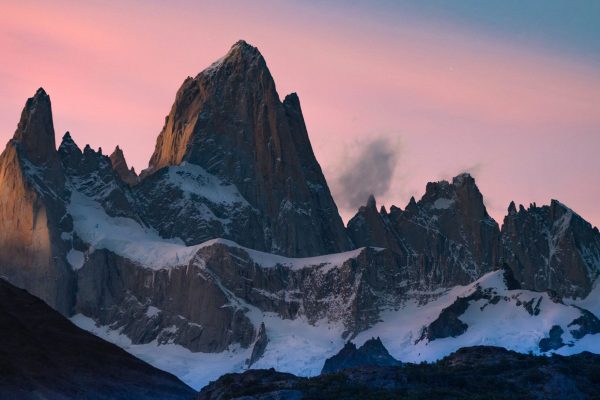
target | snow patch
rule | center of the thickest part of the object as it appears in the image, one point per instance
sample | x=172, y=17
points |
x=442, y=204
x=143, y=245
x=76, y=259
x=193, y=179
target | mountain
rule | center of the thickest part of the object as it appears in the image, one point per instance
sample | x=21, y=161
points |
x=447, y=235
x=551, y=247
x=127, y=175
x=371, y=353
x=32, y=209
x=228, y=250
x=470, y=373
x=44, y=356
x=229, y=123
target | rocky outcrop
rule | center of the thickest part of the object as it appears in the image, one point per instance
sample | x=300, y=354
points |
x=370, y=227
x=448, y=235
x=553, y=341
x=371, y=353
x=45, y=356
x=119, y=164
x=471, y=372
x=32, y=210
x=91, y=174
x=551, y=247
x=260, y=345
x=229, y=121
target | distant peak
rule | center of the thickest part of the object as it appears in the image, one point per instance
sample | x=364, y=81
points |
x=67, y=142
x=371, y=203
x=240, y=53
x=462, y=179
x=35, y=130
x=119, y=164
x=244, y=50
x=242, y=44
x=41, y=92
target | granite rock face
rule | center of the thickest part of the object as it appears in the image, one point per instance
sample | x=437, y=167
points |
x=229, y=121
x=119, y=164
x=448, y=235
x=204, y=305
x=551, y=247
x=32, y=209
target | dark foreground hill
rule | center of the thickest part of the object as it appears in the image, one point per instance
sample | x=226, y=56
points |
x=480, y=372
x=44, y=356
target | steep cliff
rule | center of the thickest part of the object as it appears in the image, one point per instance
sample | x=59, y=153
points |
x=551, y=247
x=229, y=121
x=32, y=211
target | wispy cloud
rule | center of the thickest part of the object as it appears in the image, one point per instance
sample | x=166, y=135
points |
x=368, y=172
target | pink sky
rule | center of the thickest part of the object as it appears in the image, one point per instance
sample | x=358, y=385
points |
x=523, y=119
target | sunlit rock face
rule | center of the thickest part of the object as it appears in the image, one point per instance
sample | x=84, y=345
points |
x=229, y=121
x=32, y=210
x=119, y=164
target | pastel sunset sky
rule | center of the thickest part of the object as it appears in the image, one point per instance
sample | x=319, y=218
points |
x=394, y=93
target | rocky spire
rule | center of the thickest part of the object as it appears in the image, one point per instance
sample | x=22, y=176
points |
x=371, y=203
x=117, y=158
x=243, y=70
x=230, y=121
x=35, y=131
x=371, y=228
x=70, y=154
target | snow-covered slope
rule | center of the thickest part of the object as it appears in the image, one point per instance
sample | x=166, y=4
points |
x=515, y=319
x=142, y=244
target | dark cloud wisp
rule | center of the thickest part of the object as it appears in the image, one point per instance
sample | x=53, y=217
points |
x=370, y=172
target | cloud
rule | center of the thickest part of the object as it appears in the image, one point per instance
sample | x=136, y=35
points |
x=369, y=171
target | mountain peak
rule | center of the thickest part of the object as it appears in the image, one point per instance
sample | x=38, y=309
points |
x=230, y=121
x=240, y=58
x=463, y=179
x=371, y=203
x=35, y=131
x=68, y=144
x=119, y=164
x=243, y=45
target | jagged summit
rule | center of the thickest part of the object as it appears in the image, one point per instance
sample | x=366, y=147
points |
x=35, y=130
x=68, y=144
x=230, y=121
x=241, y=51
x=371, y=203
x=551, y=247
x=242, y=73
x=447, y=230
x=119, y=164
